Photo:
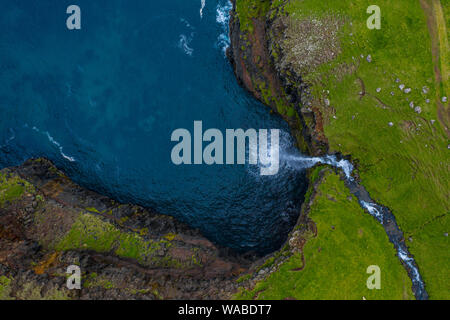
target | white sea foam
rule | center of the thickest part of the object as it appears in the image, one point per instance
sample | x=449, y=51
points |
x=203, y=3
x=186, y=38
x=223, y=18
x=183, y=44
x=56, y=143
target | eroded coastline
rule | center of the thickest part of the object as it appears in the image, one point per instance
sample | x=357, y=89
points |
x=308, y=131
x=286, y=94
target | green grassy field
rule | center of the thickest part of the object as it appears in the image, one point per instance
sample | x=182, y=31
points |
x=404, y=167
x=348, y=241
x=401, y=154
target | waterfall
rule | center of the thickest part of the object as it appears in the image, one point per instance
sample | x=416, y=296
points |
x=382, y=214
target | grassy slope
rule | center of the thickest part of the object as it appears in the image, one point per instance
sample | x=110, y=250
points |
x=338, y=270
x=405, y=166
x=12, y=187
x=442, y=14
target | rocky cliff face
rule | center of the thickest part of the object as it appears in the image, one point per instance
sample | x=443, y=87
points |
x=47, y=222
x=256, y=32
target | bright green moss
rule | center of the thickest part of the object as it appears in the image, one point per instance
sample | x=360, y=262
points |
x=5, y=288
x=92, y=233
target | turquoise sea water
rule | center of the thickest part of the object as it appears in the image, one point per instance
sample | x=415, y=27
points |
x=102, y=102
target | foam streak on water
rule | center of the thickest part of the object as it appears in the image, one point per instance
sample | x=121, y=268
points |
x=56, y=143
x=203, y=3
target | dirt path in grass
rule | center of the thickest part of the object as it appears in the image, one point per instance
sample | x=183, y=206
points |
x=440, y=51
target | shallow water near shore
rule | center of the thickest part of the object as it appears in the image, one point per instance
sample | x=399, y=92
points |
x=102, y=102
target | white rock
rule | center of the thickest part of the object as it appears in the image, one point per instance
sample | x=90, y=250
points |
x=432, y=121
x=391, y=124
x=444, y=99
x=378, y=89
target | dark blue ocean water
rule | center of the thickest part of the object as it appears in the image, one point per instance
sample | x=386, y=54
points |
x=102, y=102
